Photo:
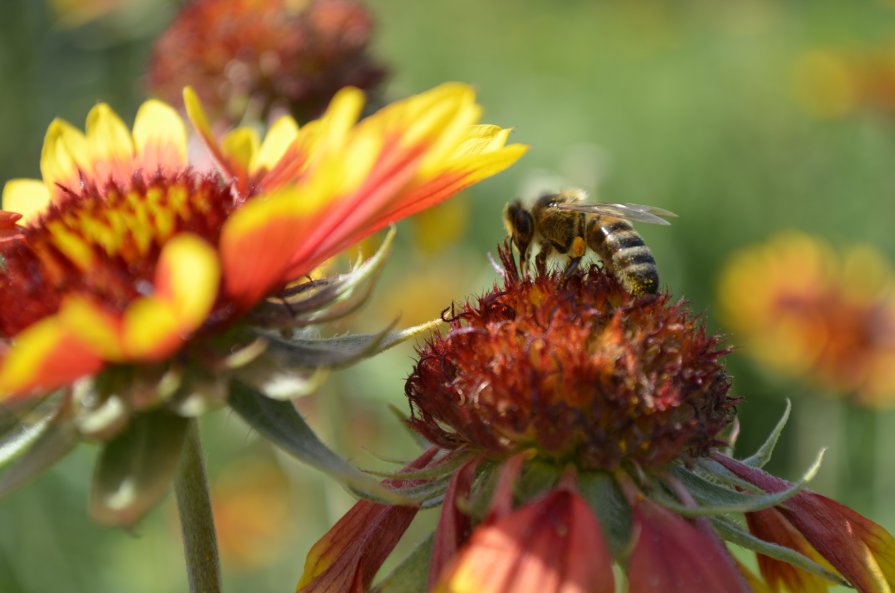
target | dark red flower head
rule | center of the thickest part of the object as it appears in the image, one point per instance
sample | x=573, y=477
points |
x=576, y=368
x=255, y=56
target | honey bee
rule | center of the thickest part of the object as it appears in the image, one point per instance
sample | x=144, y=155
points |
x=562, y=223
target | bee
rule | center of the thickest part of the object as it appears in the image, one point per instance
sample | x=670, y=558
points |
x=562, y=223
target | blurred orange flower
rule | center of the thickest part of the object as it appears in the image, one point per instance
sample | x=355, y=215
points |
x=807, y=310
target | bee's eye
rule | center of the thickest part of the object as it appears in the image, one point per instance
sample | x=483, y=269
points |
x=523, y=223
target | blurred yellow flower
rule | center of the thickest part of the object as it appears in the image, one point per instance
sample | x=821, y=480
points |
x=807, y=310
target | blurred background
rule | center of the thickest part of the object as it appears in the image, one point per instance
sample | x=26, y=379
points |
x=748, y=119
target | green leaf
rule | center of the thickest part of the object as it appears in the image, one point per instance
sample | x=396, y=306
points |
x=21, y=427
x=412, y=574
x=281, y=423
x=735, y=534
x=136, y=468
x=51, y=445
x=715, y=499
x=606, y=500
x=763, y=454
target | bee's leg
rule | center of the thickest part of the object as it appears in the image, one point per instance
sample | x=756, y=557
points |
x=523, y=260
x=576, y=252
x=541, y=258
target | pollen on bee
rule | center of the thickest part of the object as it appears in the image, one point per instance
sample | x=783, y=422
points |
x=579, y=247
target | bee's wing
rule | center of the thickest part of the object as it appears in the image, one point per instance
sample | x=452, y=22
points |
x=634, y=212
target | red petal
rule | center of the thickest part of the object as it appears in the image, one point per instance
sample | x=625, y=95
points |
x=672, y=555
x=347, y=558
x=453, y=524
x=551, y=545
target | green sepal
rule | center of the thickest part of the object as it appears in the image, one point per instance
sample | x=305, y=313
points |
x=136, y=468
x=735, y=534
x=764, y=452
x=52, y=443
x=536, y=479
x=312, y=298
x=22, y=426
x=343, y=350
x=404, y=419
x=425, y=495
x=722, y=475
x=715, y=499
x=412, y=574
x=445, y=466
x=280, y=422
x=613, y=512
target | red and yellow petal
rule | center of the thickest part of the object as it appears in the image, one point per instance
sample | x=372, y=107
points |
x=771, y=526
x=45, y=356
x=279, y=138
x=28, y=197
x=258, y=241
x=160, y=138
x=860, y=550
x=65, y=153
x=551, y=545
x=111, y=146
x=186, y=285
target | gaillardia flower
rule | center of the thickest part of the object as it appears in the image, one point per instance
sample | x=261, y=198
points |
x=807, y=310
x=139, y=291
x=254, y=58
x=574, y=426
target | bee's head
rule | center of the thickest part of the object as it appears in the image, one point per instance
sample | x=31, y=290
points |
x=520, y=226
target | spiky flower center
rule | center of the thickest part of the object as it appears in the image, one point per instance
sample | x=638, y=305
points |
x=577, y=369
x=105, y=242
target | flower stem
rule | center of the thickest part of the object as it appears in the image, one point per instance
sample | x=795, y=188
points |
x=200, y=547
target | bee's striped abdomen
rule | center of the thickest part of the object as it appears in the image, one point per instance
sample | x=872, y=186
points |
x=624, y=253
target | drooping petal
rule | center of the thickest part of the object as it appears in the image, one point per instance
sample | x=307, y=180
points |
x=770, y=526
x=672, y=555
x=45, y=355
x=862, y=551
x=347, y=558
x=28, y=197
x=551, y=545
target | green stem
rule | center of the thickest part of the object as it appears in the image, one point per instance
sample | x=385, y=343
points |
x=200, y=548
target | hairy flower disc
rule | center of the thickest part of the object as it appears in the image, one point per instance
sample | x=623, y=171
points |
x=576, y=368
x=105, y=243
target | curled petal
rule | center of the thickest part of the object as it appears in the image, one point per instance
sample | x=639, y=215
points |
x=553, y=544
